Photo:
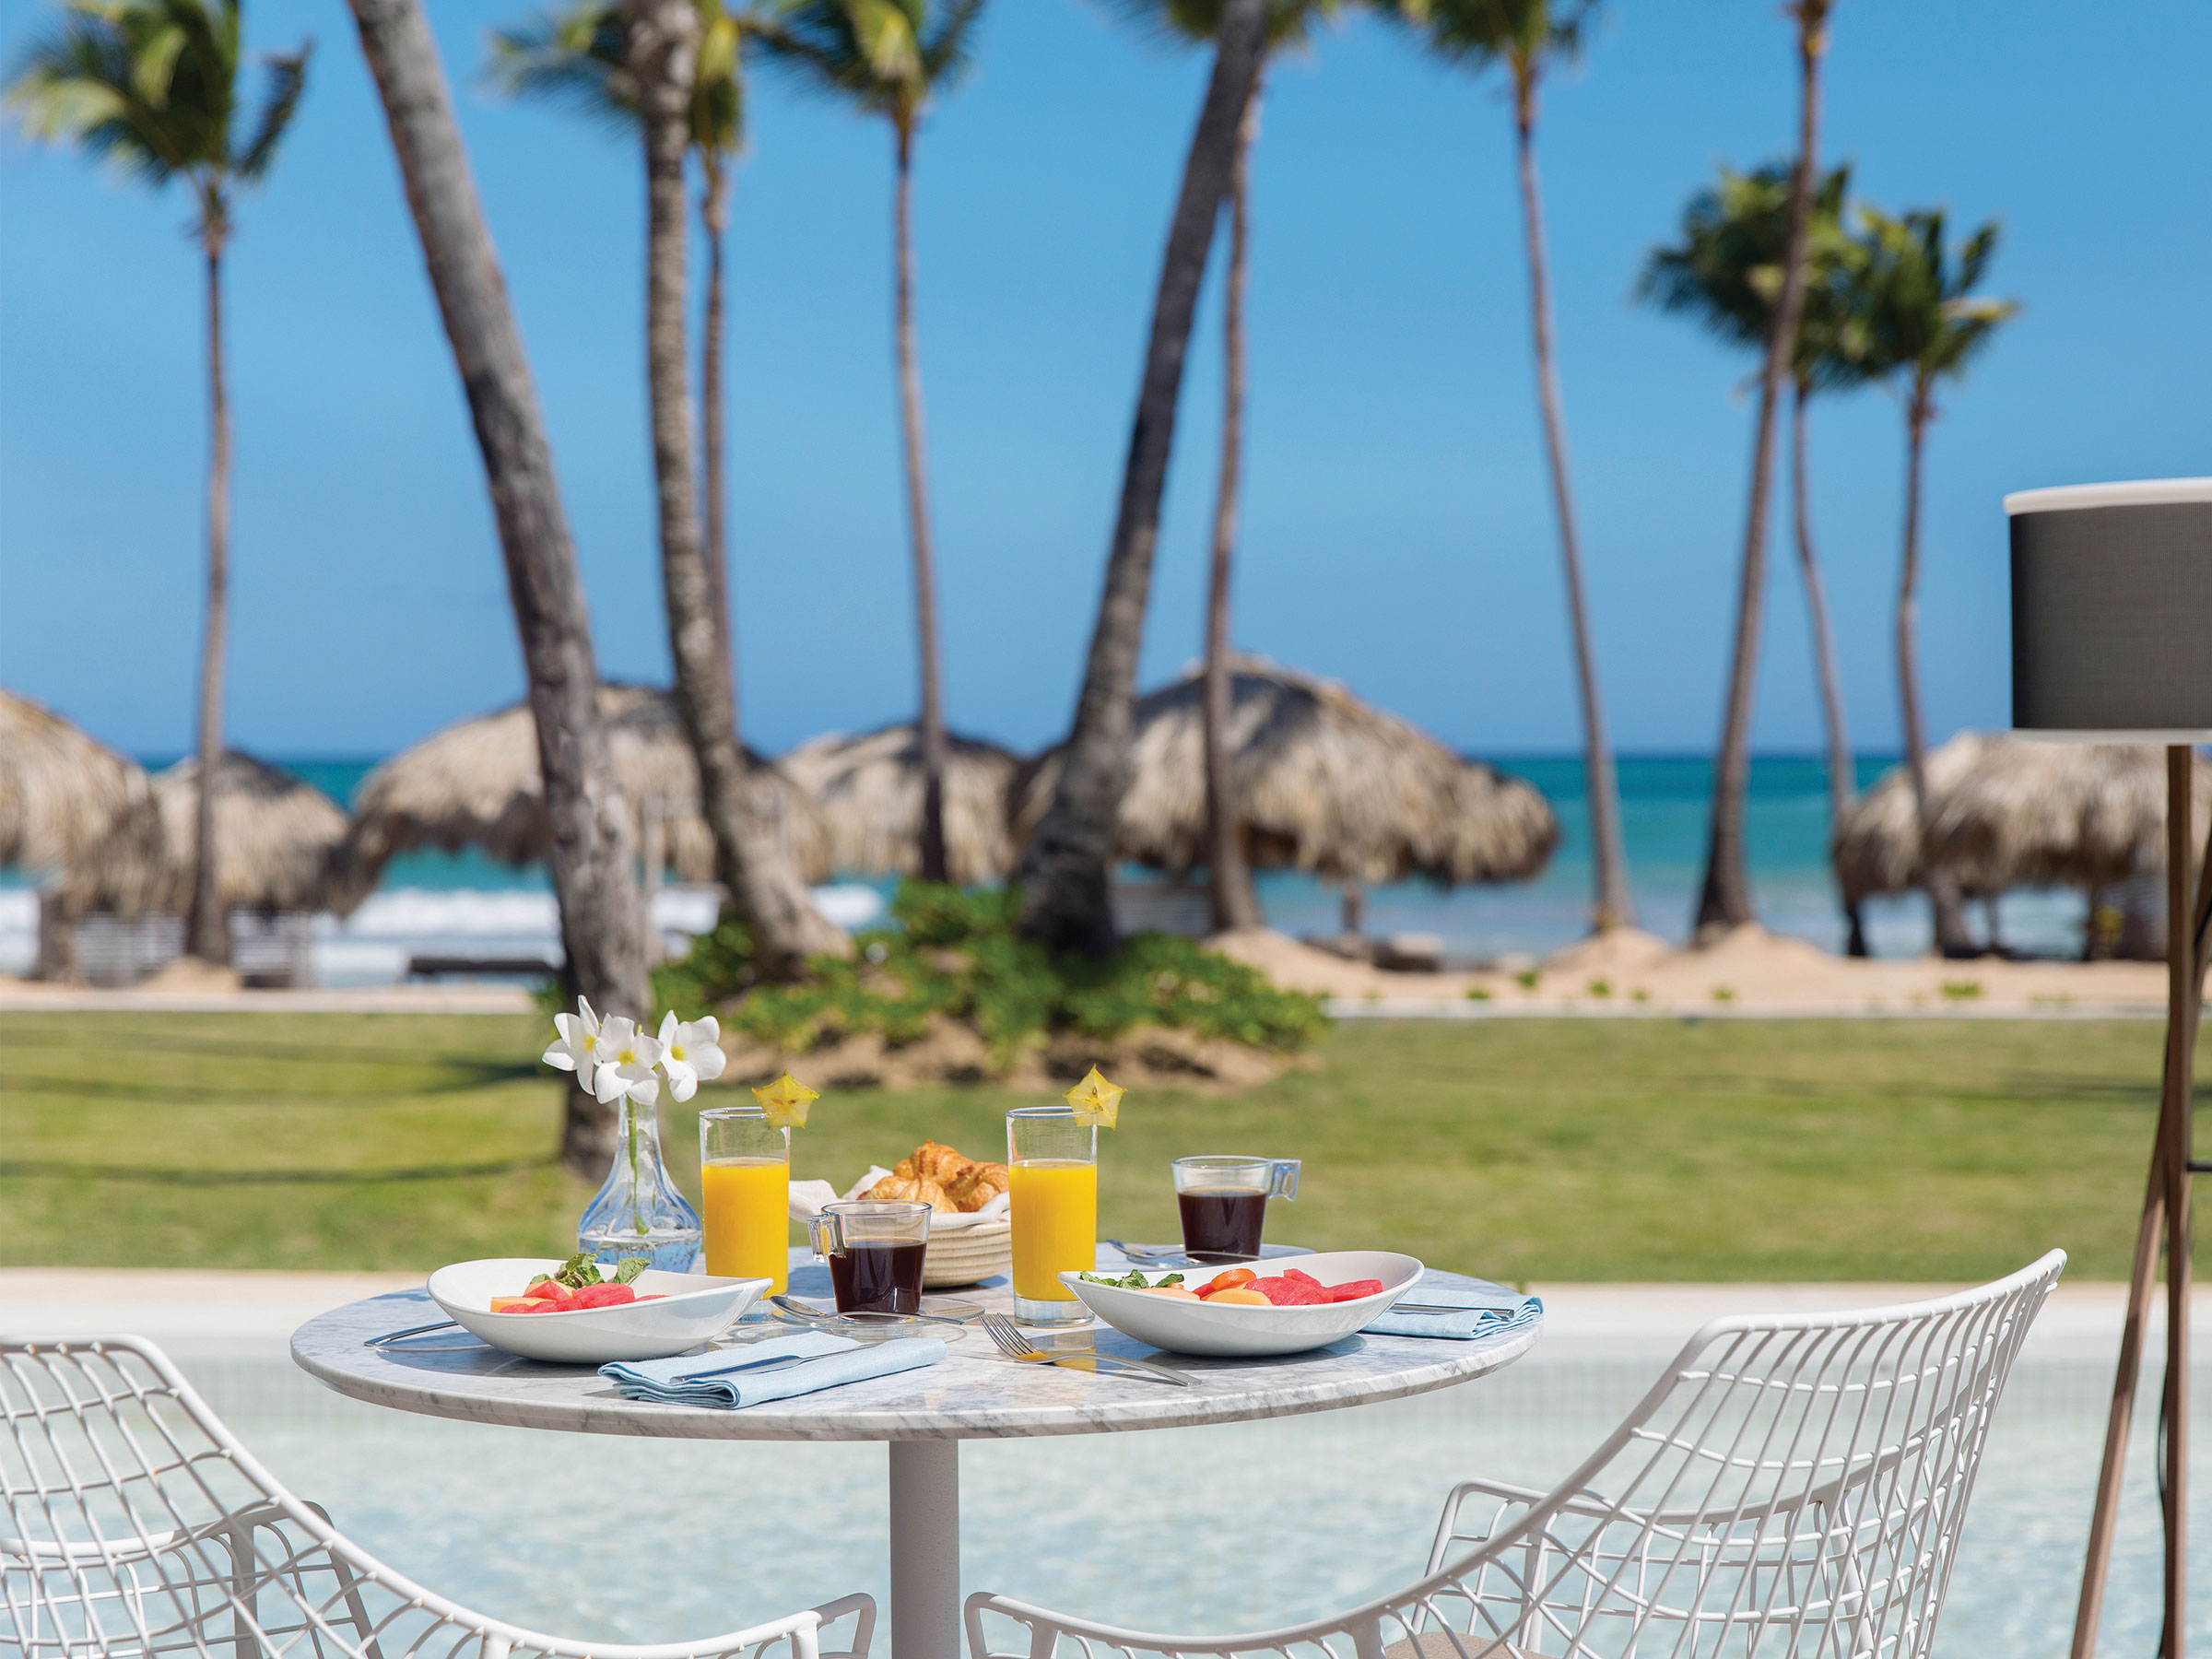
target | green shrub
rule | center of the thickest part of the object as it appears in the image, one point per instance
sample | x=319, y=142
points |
x=955, y=954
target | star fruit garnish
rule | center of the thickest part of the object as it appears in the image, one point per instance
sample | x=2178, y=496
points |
x=785, y=1101
x=1095, y=1100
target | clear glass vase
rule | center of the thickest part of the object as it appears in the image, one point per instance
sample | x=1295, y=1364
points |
x=638, y=1211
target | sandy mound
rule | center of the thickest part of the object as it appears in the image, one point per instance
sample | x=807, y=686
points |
x=1150, y=1056
x=1298, y=967
x=191, y=974
x=1621, y=950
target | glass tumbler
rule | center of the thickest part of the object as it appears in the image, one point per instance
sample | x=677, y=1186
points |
x=744, y=1176
x=1224, y=1202
x=874, y=1248
x=1052, y=1181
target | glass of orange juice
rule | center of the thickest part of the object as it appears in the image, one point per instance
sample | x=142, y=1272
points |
x=745, y=1176
x=1052, y=1176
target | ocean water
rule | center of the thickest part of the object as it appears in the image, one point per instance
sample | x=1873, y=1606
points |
x=465, y=904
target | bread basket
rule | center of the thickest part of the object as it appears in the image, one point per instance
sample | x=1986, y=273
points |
x=967, y=1256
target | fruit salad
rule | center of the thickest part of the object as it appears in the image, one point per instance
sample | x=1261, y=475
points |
x=1241, y=1287
x=576, y=1286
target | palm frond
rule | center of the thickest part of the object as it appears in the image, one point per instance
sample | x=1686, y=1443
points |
x=948, y=49
x=1480, y=33
x=146, y=84
x=1922, y=318
x=888, y=56
x=575, y=59
x=287, y=81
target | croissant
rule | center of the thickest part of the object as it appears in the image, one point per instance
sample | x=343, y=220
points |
x=916, y=1189
x=977, y=1185
x=941, y=1164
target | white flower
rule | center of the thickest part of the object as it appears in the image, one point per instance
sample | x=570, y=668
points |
x=690, y=1054
x=623, y=1059
x=573, y=1052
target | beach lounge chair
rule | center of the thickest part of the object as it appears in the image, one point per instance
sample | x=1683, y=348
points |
x=137, y=1525
x=1793, y=1486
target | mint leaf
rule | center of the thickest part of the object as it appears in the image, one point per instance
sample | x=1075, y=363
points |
x=578, y=1271
x=628, y=1267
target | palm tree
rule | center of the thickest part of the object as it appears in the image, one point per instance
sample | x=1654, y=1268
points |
x=752, y=855
x=1065, y=872
x=153, y=85
x=892, y=57
x=1727, y=270
x=602, y=914
x=1725, y=895
x=1527, y=37
x=1290, y=24
x=576, y=57
x=1925, y=324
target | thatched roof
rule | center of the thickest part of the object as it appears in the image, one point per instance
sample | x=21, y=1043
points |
x=1325, y=783
x=2005, y=812
x=868, y=789
x=64, y=796
x=280, y=845
x=477, y=785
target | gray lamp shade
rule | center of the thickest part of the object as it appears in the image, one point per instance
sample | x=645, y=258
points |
x=2111, y=611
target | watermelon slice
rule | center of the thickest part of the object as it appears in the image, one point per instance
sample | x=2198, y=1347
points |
x=1287, y=1292
x=1303, y=1279
x=1354, y=1289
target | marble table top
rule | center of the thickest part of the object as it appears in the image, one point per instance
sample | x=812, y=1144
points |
x=975, y=1393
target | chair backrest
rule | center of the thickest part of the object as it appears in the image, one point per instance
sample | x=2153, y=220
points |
x=1792, y=1486
x=133, y=1523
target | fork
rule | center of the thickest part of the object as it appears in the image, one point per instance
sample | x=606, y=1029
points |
x=1007, y=1338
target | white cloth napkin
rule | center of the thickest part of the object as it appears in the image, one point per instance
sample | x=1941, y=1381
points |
x=808, y=1197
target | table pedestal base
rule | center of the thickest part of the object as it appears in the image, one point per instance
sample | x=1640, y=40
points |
x=926, y=1548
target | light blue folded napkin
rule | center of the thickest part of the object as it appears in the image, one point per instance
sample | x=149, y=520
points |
x=827, y=1362
x=1487, y=1313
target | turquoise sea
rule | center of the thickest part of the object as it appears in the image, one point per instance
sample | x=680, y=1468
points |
x=1664, y=800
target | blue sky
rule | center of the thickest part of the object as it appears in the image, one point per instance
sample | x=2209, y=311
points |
x=1397, y=534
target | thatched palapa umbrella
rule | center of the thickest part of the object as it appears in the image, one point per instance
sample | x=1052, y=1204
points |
x=2008, y=813
x=281, y=846
x=477, y=785
x=68, y=801
x=1324, y=783
x=868, y=789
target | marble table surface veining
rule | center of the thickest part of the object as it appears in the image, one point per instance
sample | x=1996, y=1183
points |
x=975, y=1393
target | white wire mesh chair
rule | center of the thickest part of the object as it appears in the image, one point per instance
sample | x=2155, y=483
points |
x=137, y=1525
x=1793, y=1486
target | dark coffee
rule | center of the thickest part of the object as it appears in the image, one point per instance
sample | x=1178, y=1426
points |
x=877, y=1277
x=1223, y=1224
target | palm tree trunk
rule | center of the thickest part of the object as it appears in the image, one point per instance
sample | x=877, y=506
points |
x=207, y=929
x=1841, y=778
x=1611, y=903
x=931, y=726
x=714, y=218
x=1235, y=904
x=1066, y=869
x=1725, y=896
x=1949, y=911
x=601, y=922
x=751, y=859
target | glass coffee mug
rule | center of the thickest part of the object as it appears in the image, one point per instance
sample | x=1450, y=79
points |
x=1224, y=1202
x=874, y=1248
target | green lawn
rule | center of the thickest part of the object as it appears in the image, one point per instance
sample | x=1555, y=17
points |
x=1539, y=1149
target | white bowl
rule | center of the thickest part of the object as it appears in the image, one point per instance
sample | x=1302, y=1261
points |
x=1232, y=1329
x=692, y=1309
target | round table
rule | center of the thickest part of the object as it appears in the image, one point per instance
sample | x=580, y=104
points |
x=923, y=1416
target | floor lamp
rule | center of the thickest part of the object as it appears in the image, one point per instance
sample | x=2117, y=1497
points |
x=2111, y=642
